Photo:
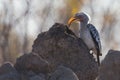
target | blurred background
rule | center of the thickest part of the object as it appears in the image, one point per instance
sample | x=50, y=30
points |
x=22, y=20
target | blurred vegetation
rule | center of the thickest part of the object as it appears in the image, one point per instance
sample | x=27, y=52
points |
x=15, y=26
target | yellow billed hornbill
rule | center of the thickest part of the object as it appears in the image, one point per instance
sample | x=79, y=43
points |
x=88, y=33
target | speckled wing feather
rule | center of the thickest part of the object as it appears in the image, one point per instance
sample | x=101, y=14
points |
x=96, y=38
x=95, y=35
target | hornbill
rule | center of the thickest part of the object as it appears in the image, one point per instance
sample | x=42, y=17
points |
x=88, y=33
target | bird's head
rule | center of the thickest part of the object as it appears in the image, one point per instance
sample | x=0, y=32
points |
x=81, y=17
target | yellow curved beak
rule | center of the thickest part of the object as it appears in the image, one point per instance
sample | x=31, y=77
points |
x=71, y=20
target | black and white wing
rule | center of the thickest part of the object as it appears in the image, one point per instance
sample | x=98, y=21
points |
x=95, y=35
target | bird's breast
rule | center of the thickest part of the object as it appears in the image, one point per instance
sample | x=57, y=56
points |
x=87, y=38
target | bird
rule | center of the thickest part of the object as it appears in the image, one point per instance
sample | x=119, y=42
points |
x=88, y=33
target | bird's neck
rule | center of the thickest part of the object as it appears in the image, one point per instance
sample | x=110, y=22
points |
x=83, y=26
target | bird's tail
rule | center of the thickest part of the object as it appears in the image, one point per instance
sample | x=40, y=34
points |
x=98, y=58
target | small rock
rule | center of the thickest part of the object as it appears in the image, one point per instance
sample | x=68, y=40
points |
x=37, y=78
x=31, y=62
x=63, y=73
x=30, y=73
x=10, y=76
x=42, y=75
x=110, y=66
x=7, y=68
x=24, y=77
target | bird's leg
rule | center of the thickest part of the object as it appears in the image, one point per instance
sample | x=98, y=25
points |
x=92, y=52
x=96, y=56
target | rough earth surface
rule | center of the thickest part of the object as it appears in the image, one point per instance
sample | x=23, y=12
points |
x=58, y=54
x=110, y=66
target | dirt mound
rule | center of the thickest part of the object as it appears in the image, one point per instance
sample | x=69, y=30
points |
x=60, y=47
x=52, y=49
